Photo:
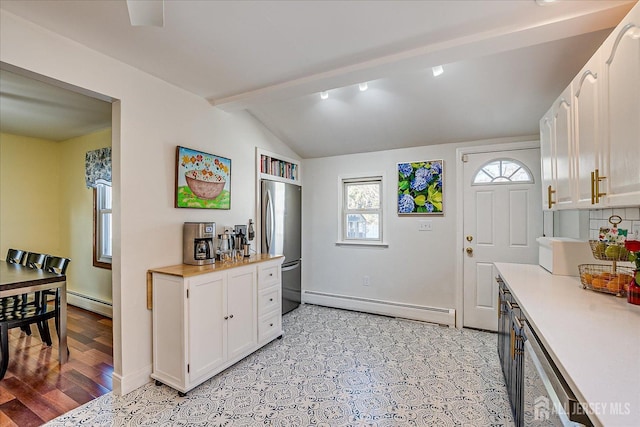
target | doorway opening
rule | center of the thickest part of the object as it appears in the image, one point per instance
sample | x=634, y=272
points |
x=46, y=129
x=500, y=216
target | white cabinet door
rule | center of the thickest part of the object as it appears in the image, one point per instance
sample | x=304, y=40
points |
x=170, y=333
x=587, y=131
x=206, y=324
x=622, y=103
x=547, y=161
x=242, y=330
x=563, y=139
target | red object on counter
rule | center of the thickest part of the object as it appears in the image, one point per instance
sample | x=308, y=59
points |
x=633, y=294
x=632, y=245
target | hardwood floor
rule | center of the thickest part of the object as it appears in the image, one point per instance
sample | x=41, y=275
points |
x=36, y=389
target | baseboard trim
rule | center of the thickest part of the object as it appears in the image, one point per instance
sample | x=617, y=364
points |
x=443, y=316
x=90, y=304
x=126, y=384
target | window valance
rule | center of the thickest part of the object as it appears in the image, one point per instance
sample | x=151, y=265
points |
x=97, y=166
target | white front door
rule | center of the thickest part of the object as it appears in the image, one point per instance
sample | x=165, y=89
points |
x=502, y=218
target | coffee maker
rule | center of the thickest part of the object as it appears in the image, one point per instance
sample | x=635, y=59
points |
x=198, y=243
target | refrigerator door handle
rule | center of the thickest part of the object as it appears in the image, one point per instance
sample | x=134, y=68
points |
x=291, y=267
x=269, y=221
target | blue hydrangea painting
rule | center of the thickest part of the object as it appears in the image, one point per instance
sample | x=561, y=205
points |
x=420, y=187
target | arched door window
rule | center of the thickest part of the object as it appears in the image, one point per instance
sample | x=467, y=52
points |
x=503, y=171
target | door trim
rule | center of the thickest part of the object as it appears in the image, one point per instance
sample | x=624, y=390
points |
x=459, y=273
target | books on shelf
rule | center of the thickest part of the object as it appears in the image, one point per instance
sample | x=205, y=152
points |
x=272, y=166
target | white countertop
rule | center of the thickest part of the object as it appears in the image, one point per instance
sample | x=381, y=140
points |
x=593, y=338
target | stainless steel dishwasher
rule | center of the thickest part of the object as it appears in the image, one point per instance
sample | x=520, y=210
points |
x=547, y=399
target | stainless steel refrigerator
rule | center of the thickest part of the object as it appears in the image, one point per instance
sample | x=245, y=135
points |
x=281, y=229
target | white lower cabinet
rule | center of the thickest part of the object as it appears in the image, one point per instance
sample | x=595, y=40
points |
x=204, y=323
x=269, y=303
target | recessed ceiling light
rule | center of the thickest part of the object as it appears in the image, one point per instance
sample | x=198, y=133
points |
x=544, y=2
x=437, y=70
x=324, y=94
x=363, y=86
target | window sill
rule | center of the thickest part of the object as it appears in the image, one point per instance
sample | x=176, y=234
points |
x=102, y=264
x=363, y=244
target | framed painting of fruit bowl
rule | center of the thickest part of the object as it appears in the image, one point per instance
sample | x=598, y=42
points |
x=202, y=180
x=420, y=188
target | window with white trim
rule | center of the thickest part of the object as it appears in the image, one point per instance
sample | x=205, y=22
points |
x=503, y=171
x=362, y=210
x=102, y=248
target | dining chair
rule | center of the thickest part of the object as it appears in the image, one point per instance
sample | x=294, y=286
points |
x=34, y=260
x=14, y=313
x=56, y=265
x=15, y=256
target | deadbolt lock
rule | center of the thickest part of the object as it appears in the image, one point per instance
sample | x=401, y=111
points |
x=469, y=238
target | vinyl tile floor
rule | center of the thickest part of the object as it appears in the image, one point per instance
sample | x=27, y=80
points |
x=332, y=368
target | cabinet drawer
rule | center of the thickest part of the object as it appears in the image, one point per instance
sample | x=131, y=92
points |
x=268, y=275
x=269, y=300
x=269, y=326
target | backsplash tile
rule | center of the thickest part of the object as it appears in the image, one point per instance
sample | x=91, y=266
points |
x=600, y=218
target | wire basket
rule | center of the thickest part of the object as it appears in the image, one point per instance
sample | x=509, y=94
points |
x=605, y=251
x=605, y=278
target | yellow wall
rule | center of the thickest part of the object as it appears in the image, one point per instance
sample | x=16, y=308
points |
x=29, y=195
x=46, y=207
x=76, y=217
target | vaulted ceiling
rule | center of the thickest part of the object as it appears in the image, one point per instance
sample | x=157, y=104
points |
x=504, y=62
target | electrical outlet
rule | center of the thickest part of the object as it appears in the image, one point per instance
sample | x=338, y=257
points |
x=365, y=281
x=424, y=225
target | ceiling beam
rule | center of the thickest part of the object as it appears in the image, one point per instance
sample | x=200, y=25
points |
x=498, y=40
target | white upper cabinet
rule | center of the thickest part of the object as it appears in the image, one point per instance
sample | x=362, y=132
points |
x=556, y=150
x=621, y=56
x=590, y=138
x=587, y=130
x=547, y=166
x=563, y=137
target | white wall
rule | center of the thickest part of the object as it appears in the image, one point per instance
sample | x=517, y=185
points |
x=418, y=268
x=150, y=120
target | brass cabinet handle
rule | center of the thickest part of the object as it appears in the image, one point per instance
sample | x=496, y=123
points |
x=550, y=192
x=593, y=188
x=597, y=179
x=518, y=323
x=513, y=343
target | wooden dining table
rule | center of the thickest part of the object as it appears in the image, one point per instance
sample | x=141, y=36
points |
x=16, y=279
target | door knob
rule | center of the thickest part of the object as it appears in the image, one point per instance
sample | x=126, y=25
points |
x=469, y=251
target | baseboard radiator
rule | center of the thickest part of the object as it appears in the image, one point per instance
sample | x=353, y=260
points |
x=442, y=316
x=89, y=303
